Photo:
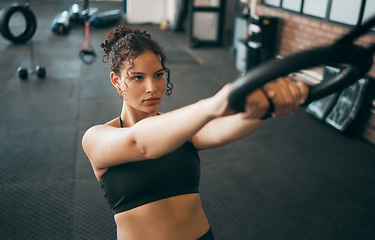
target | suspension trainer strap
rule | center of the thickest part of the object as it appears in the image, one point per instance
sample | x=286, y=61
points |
x=87, y=52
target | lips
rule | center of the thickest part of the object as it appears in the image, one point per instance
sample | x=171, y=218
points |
x=151, y=100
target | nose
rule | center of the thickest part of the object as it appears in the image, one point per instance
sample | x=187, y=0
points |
x=151, y=86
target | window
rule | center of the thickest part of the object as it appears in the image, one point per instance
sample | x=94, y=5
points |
x=347, y=12
x=369, y=11
x=292, y=5
x=315, y=8
x=275, y=3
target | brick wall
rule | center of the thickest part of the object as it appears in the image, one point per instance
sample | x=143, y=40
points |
x=302, y=32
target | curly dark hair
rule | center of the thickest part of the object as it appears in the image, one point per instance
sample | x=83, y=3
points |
x=125, y=44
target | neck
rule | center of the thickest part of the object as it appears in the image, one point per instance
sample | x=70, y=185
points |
x=131, y=116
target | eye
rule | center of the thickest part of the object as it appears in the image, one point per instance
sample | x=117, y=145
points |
x=137, y=78
x=159, y=75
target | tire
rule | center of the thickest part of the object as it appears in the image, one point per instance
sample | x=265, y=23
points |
x=31, y=24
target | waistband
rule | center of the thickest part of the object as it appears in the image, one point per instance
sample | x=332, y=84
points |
x=209, y=235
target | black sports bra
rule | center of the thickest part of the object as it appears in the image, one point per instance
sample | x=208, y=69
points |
x=133, y=184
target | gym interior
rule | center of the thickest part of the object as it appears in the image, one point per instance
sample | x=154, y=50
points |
x=305, y=176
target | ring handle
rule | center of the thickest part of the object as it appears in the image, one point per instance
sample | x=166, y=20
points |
x=87, y=56
x=269, y=71
x=358, y=59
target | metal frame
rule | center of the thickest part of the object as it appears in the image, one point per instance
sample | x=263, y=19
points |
x=195, y=42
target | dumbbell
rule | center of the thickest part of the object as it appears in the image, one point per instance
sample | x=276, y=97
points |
x=24, y=72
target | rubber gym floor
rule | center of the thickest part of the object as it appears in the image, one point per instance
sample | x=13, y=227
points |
x=295, y=178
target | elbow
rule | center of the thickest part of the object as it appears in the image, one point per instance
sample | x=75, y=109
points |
x=149, y=152
x=142, y=151
x=146, y=154
x=146, y=150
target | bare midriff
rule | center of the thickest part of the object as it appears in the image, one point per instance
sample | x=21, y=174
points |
x=180, y=217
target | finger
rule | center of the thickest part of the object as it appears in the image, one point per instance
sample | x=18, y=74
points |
x=283, y=99
x=296, y=95
x=256, y=105
x=268, y=89
x=255, y=110
x=304, y=91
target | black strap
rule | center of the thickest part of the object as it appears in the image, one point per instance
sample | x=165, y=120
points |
x=269, y=112
x=121, y=122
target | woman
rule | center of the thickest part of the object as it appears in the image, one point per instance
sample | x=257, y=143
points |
x=147, y=162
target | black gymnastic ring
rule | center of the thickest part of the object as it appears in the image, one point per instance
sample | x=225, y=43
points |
x=87, y=56
x=31, y=24
x=343, y=51
x=273, y=69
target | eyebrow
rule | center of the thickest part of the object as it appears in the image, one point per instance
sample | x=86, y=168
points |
x=141, y=73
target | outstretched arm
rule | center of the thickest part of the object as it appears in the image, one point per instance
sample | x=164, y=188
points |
x=224, y=130
x=284, y=94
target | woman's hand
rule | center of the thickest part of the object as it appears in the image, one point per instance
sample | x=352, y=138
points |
x=256, y=105
x=285, y=95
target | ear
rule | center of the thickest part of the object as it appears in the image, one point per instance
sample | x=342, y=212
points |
x=115, y=80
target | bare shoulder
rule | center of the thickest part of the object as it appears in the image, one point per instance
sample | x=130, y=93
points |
x=109, y=145
x=98, y=129
x=92, y=135
x=97, y=134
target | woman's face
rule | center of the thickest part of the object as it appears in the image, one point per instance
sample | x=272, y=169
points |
x=144, y=84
